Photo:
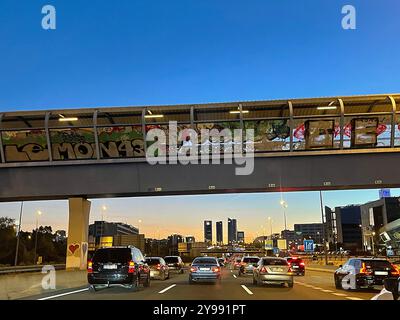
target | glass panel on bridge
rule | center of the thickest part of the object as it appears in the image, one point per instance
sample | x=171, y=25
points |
x=25, y=145
x=316, y=133
x=367, y=132
x=73, y=143
x=121, y=142
x=270, y=135
x=164, y=146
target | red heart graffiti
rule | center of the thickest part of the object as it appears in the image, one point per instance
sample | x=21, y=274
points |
x=73, y=247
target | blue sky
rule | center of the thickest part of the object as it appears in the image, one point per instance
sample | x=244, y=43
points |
x=127, y=52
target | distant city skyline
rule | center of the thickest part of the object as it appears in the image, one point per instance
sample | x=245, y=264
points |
x=159, y=217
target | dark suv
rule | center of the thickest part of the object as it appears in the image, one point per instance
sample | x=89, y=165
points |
x=175, y=263
x=121, y=266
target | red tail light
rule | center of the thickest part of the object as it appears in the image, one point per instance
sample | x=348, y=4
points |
x=215, y=269
x=90, y=266
x=193, y=269
x=395, y=271
x=263, y=270
x=158, y=266
x=290, y=270
x=131, y=268
x=302, y=264
x=364, y=269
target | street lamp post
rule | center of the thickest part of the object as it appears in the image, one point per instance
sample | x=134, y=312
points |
x=323, y=228
x=38, y=213
x=18, y=232
x=373, y=243
x=284, y=206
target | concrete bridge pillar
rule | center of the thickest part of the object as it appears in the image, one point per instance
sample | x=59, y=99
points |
x=78, y=224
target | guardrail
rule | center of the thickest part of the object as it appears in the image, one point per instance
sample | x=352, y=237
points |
x=33, y=268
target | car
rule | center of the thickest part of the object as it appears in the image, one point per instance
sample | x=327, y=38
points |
x=297, y=265
x=390, y=291
x=271, y=270
x=158, y=268
x=118, y=266
x=358, y=273
x=236, y=263
x=175, y=263
x=247, y=264
x=221, y=262
x=205, y=269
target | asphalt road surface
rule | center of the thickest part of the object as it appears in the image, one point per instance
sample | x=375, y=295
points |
x=313, y=286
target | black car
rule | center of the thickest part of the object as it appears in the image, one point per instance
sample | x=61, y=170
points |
x=175, y=263
x=118, y=266
x=359, y=273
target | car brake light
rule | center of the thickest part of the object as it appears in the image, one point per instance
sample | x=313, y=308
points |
x=158, y=267
x=263, y=270
x=193, y=269
x=364, y=270
x=290, y=271
x=215, y=269
x=131, y=268
x=302, y=263
x=90, y=266
x=395, y=271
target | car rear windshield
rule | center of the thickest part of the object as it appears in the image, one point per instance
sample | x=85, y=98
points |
x=171, y=259
x=251, y=260
x=152, y=262
x=113, y=255
x=274, y=262
x=294, y=260
x=204, y=261
x=377, y=264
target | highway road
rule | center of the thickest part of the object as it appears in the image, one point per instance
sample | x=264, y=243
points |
x=315, y=285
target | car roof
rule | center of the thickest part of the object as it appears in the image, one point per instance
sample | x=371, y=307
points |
x=153, y=257
x=251, y=257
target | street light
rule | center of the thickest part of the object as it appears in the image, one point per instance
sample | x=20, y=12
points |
x=284, y=206
x=38, y=213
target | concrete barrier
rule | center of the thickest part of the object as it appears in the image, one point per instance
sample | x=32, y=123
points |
x=20, y=285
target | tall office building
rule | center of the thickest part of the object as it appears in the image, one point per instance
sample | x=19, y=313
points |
x=219, y=232
x=232, y=231
x=208, y=231
x=240, y=237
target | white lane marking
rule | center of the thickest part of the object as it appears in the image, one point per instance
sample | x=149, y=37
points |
x=339, y=294
x=166, y=289
x=330, y=291
x=64, y=294
x=354, y=298
x=317, y=288
x=231, y=271
x=234, y=276
x=246, y=289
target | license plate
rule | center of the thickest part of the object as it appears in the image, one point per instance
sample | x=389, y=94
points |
x=295, y=267
x=110, y=266
x=277, y=269
x=204, y=269
x=381, y=273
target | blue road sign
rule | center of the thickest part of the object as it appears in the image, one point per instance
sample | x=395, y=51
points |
x=308, y=245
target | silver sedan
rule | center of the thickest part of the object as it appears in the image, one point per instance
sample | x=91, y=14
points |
x=271, y=270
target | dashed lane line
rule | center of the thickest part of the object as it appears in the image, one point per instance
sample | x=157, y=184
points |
x=326, y=290
x=246, y=289
x=235, y=276
x=339, y=294
x=166, y=289
x=64, y=294
x=354, y=298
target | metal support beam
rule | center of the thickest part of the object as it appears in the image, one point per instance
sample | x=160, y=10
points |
x=192, y=118
x=144, y=131
x=341, y=124
x=291, y=124
x=96, y=136
x=2, y=157
x=393, y=122
x=46, y=126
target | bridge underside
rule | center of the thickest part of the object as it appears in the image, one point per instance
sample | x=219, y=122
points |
x=130, y=179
